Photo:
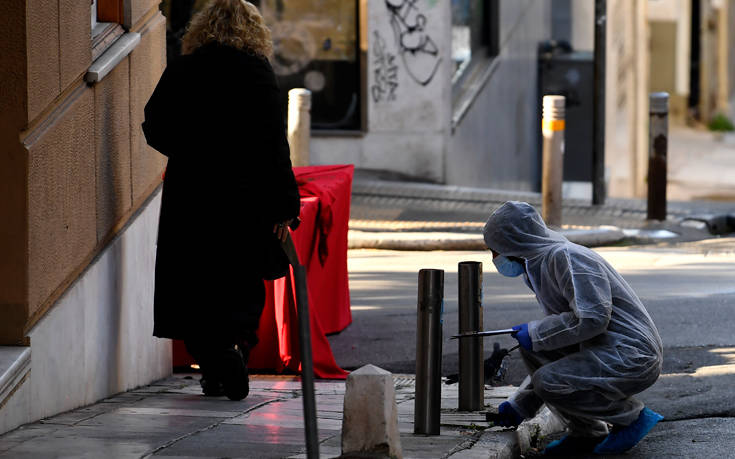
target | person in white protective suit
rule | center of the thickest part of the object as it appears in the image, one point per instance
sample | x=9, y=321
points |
x=595, y=348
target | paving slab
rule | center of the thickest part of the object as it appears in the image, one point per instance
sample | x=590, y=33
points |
x=171, y=419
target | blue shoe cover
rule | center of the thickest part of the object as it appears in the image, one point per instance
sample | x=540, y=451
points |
x=571, y=446
x=629, y=436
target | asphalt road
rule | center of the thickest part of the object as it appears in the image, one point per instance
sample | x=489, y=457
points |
x=688, y=289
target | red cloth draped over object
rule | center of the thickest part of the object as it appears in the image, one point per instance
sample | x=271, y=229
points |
x=321, y=243
x=327, y=272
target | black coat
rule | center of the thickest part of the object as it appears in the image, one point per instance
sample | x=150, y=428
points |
x=216, y=114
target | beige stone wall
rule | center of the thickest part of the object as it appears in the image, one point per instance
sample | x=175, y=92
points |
x=146, y=65
x=61, y=193
x=626, y=98
x=74, y=165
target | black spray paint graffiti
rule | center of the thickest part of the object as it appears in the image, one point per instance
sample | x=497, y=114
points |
x=418, y=51
x=386, y=72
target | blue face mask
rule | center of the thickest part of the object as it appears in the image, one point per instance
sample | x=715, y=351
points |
x=508, y=267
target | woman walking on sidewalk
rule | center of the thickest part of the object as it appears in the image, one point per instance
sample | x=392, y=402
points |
x=229, y=191
x=595, y=348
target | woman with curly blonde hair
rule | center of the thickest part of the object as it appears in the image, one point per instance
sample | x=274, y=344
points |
x=233, y=23
x=228, y=194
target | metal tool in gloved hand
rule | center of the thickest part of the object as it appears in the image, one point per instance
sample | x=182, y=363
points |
x=480, y=334
x=519, y=332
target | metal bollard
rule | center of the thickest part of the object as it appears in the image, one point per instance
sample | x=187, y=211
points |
x=299, y=125
x=427, y=407
x=598, y=103
x=658, y=133
x=471, y=374
x=553, y=159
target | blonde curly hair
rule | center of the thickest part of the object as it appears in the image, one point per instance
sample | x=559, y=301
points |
x=236, y=23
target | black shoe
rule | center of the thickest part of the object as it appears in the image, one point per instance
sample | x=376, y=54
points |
x=571, y=446
x=234, y=374
x=211, y=386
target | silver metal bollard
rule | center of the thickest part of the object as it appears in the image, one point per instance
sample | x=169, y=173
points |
x=471, y=374
x=552, y=126
x=658, y=133
x=427, y=408
x=299, y=125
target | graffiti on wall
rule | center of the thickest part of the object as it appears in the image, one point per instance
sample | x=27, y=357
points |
x=385, y=72
x=419, y=53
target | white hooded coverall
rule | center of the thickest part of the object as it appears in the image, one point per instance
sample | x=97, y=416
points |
x=597, y=344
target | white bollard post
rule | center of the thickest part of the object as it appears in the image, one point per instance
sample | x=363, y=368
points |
x=370, y=418
x=299, y=125
x=552, y=127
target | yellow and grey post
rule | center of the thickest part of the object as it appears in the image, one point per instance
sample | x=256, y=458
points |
x=299, y=125
x=471, y=370
x=552, y=127
x=427, y=404
x=658, y=134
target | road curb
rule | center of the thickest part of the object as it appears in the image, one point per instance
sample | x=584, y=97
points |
x=507, y=444
x=462, y=241
x=491, y=444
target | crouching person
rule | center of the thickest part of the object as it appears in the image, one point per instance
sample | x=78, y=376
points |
x=595, y=348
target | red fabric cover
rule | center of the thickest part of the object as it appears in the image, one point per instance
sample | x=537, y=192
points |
x=278, y=332
x=279, y=325
x=321, y=243
x=327, y=272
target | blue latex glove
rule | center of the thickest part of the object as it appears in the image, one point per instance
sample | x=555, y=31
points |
x=521, y=334
x=506, y=417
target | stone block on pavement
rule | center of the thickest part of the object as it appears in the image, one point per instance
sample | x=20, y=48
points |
x=370, y=418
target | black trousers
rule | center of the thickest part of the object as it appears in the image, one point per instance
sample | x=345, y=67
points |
x=226, y=325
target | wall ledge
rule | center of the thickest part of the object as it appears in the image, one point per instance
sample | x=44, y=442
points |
x=111, y=57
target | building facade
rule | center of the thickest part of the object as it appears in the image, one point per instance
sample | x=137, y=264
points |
x=79, y=209
x=431, y=90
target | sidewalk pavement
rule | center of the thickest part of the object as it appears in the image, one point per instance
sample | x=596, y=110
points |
x=387, y=214
x=171, y=418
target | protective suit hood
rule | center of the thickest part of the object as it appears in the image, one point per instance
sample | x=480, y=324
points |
x=516, y=229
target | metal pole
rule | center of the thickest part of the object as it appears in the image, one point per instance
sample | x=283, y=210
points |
x=658, y=132
x=299, y=125
x=471, y=374
x=552, y=126
x=598, y=150
x=307, y=367
x=427, y=408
